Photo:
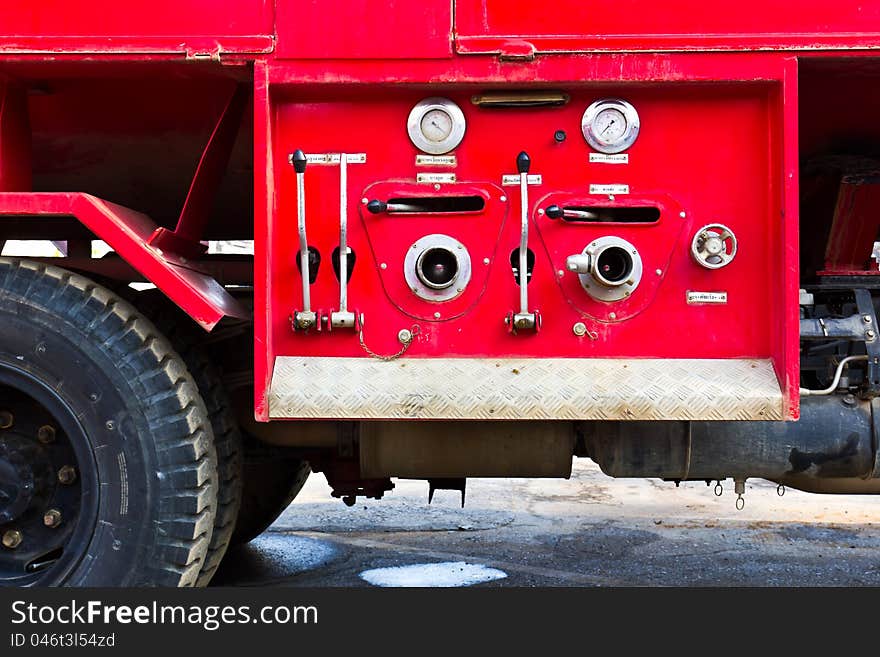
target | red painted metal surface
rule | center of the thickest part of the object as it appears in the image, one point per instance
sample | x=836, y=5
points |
x=341, y=75
x=127, y=232
x=490, y=26
x=728, y=169
x=193, y=27
x=355, y=29
x=856, y=224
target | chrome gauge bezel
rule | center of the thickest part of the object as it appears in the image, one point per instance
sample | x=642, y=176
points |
x=414, y=125
x=633, y=125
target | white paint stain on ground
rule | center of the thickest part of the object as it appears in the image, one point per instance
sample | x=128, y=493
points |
x=447, y=574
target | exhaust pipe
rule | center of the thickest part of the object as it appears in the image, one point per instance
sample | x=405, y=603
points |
x=832, y=449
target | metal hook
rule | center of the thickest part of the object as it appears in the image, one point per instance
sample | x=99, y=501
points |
x=740, y=503
x=780, y=490
x=719, y=489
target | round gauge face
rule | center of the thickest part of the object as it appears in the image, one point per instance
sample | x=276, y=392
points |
x=436, y=125
x=610, y=126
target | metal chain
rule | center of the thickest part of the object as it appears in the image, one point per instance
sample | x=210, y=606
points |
x=405, y=336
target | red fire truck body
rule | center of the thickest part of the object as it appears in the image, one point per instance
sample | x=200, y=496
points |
x=487, y=237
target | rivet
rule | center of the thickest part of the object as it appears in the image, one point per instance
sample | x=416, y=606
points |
x=436, y=315
x=659, y=272
x=683, y=215
x=612, y=315
x=503, y=199
x=486, y=261
x=560, y=273
x=383, y=266
x=436, y=187
x=541, y=211
x=364, y=200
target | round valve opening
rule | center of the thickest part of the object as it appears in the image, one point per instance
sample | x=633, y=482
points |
x=609, y=269
x=614, y=265
x=437, y=268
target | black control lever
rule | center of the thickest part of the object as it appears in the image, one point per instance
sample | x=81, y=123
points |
x=377, y=207
x=554, y=212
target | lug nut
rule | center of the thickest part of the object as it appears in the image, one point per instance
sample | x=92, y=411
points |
x=6, y=419
x=12, y=539
x=67, y=475
x=46, y=434
x=52, y=518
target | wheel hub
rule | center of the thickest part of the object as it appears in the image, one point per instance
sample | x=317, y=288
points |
x=16, y=482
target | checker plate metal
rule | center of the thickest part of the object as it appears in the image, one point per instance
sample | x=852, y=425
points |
x=524, y=389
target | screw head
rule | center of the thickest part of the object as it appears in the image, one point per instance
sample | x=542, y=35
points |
x=870, y=334
x=67, y=475
x=579, y=329
x=52, y=518
x=866, y=319
x=12, y=539
x=46, y=434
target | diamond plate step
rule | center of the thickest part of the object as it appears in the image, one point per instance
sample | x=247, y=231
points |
x=524, y=389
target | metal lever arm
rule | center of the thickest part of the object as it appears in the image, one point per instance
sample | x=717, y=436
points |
x=305, y=318
x=343, y=318
x=523, y=320
x=556, y=212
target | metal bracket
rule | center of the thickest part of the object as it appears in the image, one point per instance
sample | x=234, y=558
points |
x=865, y=306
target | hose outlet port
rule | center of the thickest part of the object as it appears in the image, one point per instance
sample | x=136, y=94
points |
x=437, y=268
x=613, y=266
x=609, y=269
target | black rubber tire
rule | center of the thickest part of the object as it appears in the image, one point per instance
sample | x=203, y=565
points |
x=188, y=340
x=141, y=418
x=271, y=482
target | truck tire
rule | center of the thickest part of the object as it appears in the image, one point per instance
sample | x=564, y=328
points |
x=188, y=339
x=106, y=450
x=271, y=482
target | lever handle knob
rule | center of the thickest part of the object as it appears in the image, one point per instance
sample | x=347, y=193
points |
x=377, y=207
x=523, y=162
x=554, y=212
x=298, y=159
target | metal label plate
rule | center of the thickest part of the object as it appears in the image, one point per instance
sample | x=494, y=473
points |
x=609, y=158
x=334, y=158
x=609, y=189
x=701, y=298
x=525, y=389
x=512, y=179
x=436, y=160
x=443, y=178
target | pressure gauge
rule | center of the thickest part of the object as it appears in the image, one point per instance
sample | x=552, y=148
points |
x=436, y=125
x=610, y=125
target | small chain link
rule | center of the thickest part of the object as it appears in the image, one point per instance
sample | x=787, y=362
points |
x=405, y=344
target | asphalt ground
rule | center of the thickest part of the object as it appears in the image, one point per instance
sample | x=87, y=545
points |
x=587, y=531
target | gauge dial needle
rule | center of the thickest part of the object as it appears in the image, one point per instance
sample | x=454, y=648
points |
x=608, y=127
